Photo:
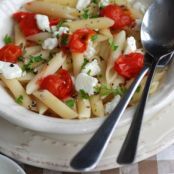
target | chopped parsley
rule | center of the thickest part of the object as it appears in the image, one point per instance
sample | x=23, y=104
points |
x=83, y=94
x=7, y=39
x=85, y=14
x=21, y=59
x=33, y=59
x=94, y=37
x=70, y=103
x=89, y=72
x=112, y=45
x=95, y=1
x=105, y=90
x=64, y=40
x=86, y=61
x=20, y=99
x=60, y=24
x=138, y=89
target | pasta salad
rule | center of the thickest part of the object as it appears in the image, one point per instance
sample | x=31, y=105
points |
x=74, y=59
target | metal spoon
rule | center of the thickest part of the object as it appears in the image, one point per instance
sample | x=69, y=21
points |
x=157, y=35
x=90, y=154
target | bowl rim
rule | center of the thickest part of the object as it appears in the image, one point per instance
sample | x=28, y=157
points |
x=30, y=120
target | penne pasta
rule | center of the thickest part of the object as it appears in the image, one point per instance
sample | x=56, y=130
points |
x=26, y=78
x=51, y=9
x=55, y=104
x=77, y=60
x=53, y=65
x=42, y=108
x=95, y=23
x=70, y=3
x=39, y=38
x=97, y=106
x=83, y=108
x=19, y=38
x=31, y=50
x=18, y=90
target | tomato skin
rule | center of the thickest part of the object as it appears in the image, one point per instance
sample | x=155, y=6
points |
x=54, y=21
x=79, y=40
x=121, y=16
x=27, y=22
x=59, y=84
x=129, y=65
x=10, y=53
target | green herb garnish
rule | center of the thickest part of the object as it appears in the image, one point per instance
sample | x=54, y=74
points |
x=94, y=37
x=138, y=89
x=21, y=59
x=60, y=24
x=95, y=1
x=7, y=39
x=20, y=99
x=83, y=94
x=86, y=61
x=112, y=45
x=85, y=14
x=70, y=103
x=105, y=90
x=89, y=72
x=64, y=39
x=33, y=59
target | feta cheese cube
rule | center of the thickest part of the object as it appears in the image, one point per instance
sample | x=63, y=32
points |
x=104, y=2
x=90, y=52
x=109, y=107
x=50, y=43
x=86, y=83
x=43, y=22
x=92, y=68
x=10, y=70
x=60, y=31
x=130, y=45
x=81, y=4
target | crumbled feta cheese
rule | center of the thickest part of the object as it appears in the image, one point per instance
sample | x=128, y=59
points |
x=86, y=83
x=10, y=70
x=139, y=6
x=104, y=2
x=130, y=45
x=92, y=68
x=43, y=22
x=60, y=31
x=81, y=4
x=50, y=43
x=90, y=52
x=109, y=107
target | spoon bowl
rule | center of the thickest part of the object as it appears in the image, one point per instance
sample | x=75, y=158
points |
x=157, y=30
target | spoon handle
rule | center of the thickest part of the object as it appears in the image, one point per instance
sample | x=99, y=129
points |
x=128, y=150
x=88, y=157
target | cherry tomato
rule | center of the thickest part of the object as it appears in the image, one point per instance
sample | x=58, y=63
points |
x=129, y=65
x=79, y=40
x=27, y=23
x=54, y=21
x=59, y=84
x=10, y=53
x=122, y=17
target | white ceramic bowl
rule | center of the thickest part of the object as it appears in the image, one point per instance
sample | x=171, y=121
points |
x=24, y=118
x=7, y=166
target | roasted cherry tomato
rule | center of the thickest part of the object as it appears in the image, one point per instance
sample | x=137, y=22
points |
x=122, y=17
x=129, y=65
x=59, y=84
x=27, y=22
x=79, y=40
x=54, y=21
x=10, y=53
